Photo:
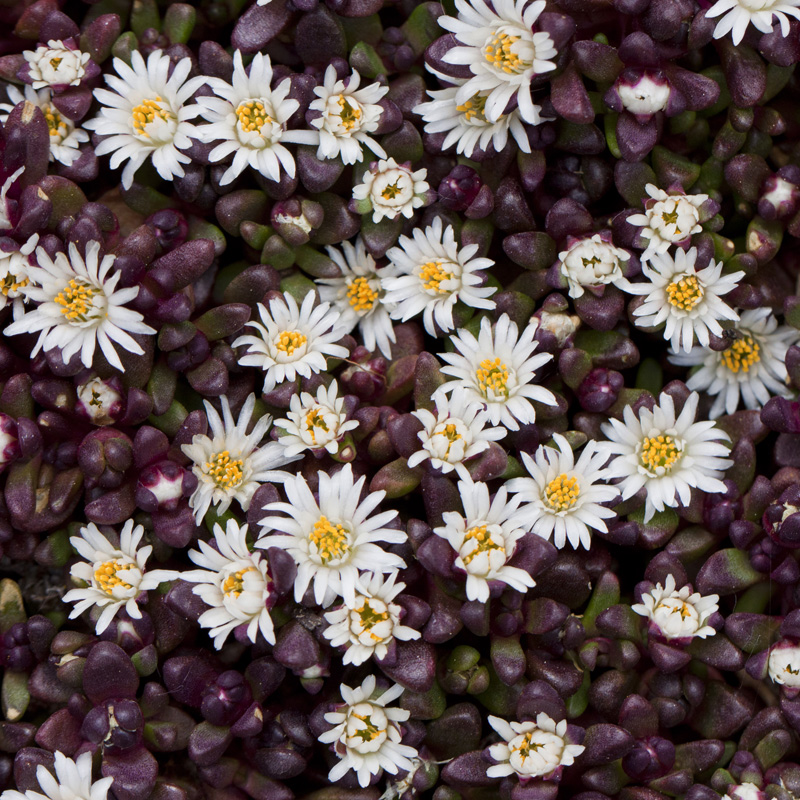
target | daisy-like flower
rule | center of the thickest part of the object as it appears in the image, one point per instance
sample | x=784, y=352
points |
x=532, y=749
x=736, y=15
x=369, y=625
x=348, y=116
x=114, y=576
x=366, y=734
x=292, y=341
x=79, y=306
x=65, y=136
x=682, y=299
x=234, y=582
x=454, y=434
x=677, y=613
x=358, y=295
x=73, y=781
x=249, y=118
x=146, y=116
x=503, y=52
x=562, y=498
x=334, y=538
x=752, y=369
x=390, y=190
x=784, y=664
x=229, y=464
x=55, y=64
x=668, y=219
x=591, y=262
x=315, y=423
x=665, y=454
x=434, y=275
x=497, y=370
x=14, y=279
x=485, y=538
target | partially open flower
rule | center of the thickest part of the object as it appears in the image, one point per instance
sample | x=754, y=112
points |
x=592, y=262
x=784, y=664
x=643, y=92
x=390, y=190
x=100, y=401
x=56, y=65
x=14, y=278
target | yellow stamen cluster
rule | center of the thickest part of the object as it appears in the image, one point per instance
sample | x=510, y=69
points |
x=314, y=420
x=12, y=284
x=106, y=578
x=499, y=53
x=76, y=299
x=391, y=190
x=349, y=114
x=492, y=376
x=484, y=541
x=252, y=116
x=562, y=492
x=233, y=585
x=741, y=355
x=331, y=539
x=527, y=745
x=683, y=609
x=55, y=123
x=671, y=217
x=370, y=618
x=361, y=295
x=146, y=112
x=369, y=732
x=659, y=451
x=289, y=341
x=685, y=293
x=432, y=275
x=225, y=471
x=474, y=107
x=55, y=62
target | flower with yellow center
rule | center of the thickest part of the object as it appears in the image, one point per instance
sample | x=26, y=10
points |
x=14, y=281
x=685, y=292
x=592, y=262
x=57, y=65
x=390, y=190
x=735, y=16
x=72, y=780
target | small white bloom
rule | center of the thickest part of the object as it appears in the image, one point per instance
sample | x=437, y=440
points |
x=454, y=434
x=645, y=96
x=114, y=576
x=503, y=52
x=367, y=735
x=591, y=262
x=736, y=15
x=665, y=455
x=390, y=189
x=434, y=275
x=292, y=341
x=678, y=614
x=752, y=369
x=562, y=326
x=80, y=307
x=561, y=498
x=485, y=538
x=668, y=219
x=55, y=65
x=746, y=791
x=369, y=624
x=99, y=400
x=315, y=423
x=249, y=119
x=73, y=781
x=235, y=582
x=229, y=464
x=349, y=115
x=146, y=116
x=65, y=136
x=14, y=278
x=334, y=538
x=358, y=295
x=686, y=301
x=784, y=664
x=497, y=370
x=531, y=749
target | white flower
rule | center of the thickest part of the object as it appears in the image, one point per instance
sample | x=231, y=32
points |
x=736, y=15
x=434, y=275
x=369, y=624
x=563, y=498
x=678, y=614
x=531, y=749
x=668, y=219
x=146, y=116
x=249, y=119
x=502, y=51
x=55, y=65
x=73, y=781
x=332, y=539
x=752, y=368
x=292, y=341
x=454, y=434
x=234, y=582
x=367, y=734
x=746, y=791
x=358, y=295
x=648, y=94
x=390, y=189
x=315, y=423
x=784, y=664
x=349, y=115
x=5, y=211
x=665, y=455
x=686, y=301
x=229, y=464
x=592, y=261
x=114, y=576
x=485, y=538
x=496, y=369
x=65, y=136
x=14, y=278
x=99, y=400
x=562, y=326
x=80, y=307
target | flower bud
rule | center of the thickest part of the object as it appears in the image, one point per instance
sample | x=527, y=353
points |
x=9, y=444
x=643, y=92
x=162, y=485
x=459, y=188
x=226, y=698
x=779, y=198
x=600, y=389
x=170, y=228
x=100, y=401
x=295, y=219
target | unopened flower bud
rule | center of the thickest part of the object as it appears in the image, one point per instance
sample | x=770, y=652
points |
x=170, y=228
x=294, y=219
x=226, y=698
x=643, y=92
x=9, y=444
x=779, y=198
x=562, y=326
x=162, y=485
x=600, y=389
x=459, y=188
x=100, y=401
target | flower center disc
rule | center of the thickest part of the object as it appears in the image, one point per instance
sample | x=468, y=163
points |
x=507, y=53
x=153, y=121
x=331, y=540
x=685, y=292
x=658, y=454
x=349, y=113
x=361, y=295
x=741, y=355
x=105, y=575
x=55, y=123
x=12, y=285
x=225, y=471
x=233, y=585
x=77, y=299
x=484, y=540
x=252, y=116
x=432, y=274
x=493, y=378
x=562, y=492
x=474, y=108
x=289, y=341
